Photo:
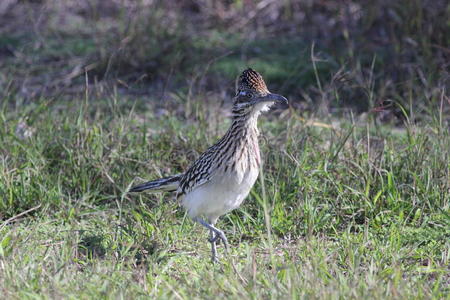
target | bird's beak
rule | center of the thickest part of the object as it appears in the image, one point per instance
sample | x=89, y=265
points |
x=278, y=99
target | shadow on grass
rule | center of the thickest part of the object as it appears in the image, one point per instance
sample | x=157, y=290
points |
x=92, y=246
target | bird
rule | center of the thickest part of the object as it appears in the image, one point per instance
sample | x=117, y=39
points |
x=222, y=176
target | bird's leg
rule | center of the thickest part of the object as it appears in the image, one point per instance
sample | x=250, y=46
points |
x=214, y=257
x=219, y=233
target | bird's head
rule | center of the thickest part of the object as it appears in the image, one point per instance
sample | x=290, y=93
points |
x=252, y=94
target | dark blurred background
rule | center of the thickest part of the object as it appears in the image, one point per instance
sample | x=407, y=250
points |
x=385, y=58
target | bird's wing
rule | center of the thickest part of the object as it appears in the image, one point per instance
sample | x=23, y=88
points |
x=198, y=174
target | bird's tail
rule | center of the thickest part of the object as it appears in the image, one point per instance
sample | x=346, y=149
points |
x=166, y=184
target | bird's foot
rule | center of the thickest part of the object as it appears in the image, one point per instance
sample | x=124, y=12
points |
x=215, y=236
x=219, y=237
x=214, y=259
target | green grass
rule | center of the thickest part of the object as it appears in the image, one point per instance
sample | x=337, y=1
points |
x=358, y=211
x=354, y=198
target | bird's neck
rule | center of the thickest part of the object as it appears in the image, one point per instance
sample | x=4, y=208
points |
x=245, y=124
x=242, y=138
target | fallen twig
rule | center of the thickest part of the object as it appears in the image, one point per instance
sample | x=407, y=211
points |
x=18, y=216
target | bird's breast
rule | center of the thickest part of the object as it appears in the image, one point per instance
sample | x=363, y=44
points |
x=241, y=170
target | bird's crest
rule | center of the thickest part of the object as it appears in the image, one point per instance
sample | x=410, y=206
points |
x=250, y=80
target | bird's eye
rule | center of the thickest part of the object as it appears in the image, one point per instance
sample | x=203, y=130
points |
x=249, y=95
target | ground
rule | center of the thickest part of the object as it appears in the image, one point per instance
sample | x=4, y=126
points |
x=354, y=197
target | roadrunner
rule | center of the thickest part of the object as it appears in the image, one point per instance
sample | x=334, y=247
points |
x=220, y=179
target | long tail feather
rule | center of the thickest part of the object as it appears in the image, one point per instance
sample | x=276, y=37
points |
x=167, y=184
